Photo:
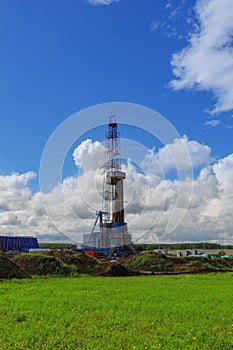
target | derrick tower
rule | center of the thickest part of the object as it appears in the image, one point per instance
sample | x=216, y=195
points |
x=113, y=231
x=113, y=194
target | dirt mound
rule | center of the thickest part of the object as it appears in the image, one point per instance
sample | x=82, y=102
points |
x=40, y=264
x=118, y=270
x=8, y=269
x=159, y=263
x=65, y=263
x=149, y=261
x=83, y=263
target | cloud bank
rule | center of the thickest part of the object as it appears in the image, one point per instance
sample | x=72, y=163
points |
x=206, y=63
x=150, y=197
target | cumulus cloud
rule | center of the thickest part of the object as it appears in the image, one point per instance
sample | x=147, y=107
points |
x=150, y=198
x=14, y=191
x=224, y=173
x=101, y=2
x=174, y=156
x=89, y=155
x=206, y=63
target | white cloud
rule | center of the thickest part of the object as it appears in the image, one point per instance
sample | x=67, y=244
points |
x=101, y=2
x=211, y=123
x=224, y=173
x=149, y=199
x=14, y=191
x=174, y=156
x=207, y=61
x=89, y=155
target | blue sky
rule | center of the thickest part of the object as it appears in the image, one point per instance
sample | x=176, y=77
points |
x=58, y=57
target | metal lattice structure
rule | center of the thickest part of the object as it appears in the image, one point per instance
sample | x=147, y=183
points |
x=113, y=230
x=112, y=163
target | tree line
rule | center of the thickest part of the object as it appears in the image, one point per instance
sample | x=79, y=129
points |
x=181, y=246
x=147, y=247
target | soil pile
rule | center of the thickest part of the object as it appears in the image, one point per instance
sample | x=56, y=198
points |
x=81, y=262
x=118, y=270
x=65, y=263
x=8, y=269
x=40, y=264
x=59, y=263
x=151, y=262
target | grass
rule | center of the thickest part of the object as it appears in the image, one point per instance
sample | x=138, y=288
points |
x=154, y=312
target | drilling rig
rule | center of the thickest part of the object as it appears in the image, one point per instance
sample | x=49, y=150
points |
x=113, y=231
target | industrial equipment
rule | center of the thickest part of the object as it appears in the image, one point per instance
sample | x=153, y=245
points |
x=113, y=230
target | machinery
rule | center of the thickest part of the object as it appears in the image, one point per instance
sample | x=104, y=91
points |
x=113, y=231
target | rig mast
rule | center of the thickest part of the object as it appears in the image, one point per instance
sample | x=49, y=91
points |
x=113, y=231
x=113, y=196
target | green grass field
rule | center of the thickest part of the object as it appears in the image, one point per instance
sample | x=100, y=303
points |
x=154, y=312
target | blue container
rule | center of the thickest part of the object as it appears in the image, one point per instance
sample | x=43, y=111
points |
x=12, y=243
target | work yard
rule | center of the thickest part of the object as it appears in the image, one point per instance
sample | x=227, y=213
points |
x=150, y=312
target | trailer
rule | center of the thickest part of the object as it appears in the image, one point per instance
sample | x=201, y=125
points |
x=18, y=244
